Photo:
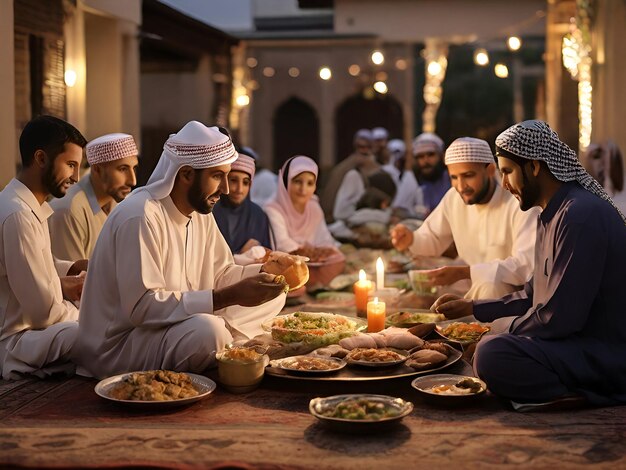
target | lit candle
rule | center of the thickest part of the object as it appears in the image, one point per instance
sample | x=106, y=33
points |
x=375, y=316
x=380, y=274
x=362, y=289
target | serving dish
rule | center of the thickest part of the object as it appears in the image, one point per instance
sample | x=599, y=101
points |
x=315, y=328
x=309, y=365
x=444, y=389
x=202, y=384
x=359, y=413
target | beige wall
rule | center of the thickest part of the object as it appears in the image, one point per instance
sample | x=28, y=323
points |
x=8, y=137
x=172, y=99
x=416, y=20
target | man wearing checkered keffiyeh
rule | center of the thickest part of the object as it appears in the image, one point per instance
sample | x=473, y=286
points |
x=566, y=335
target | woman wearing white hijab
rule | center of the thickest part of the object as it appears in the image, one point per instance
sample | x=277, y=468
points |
x=295, y=214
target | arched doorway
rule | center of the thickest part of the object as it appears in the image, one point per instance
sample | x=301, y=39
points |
x=296, y=131
x=360, y=111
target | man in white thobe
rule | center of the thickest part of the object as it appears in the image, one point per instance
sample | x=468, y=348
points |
x=492, y=235
x=37, y=320
x=163, y=291
x=79, y=216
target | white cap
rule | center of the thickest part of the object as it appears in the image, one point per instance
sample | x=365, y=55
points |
x=380, y=133
x=427, y=142
x=469, y=150
x=111, y=147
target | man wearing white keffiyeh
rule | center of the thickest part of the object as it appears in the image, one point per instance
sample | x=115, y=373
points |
x=163, y=291
x=566, y=336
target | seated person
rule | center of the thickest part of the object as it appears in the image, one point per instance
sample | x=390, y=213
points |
x=38, y=321
x=564, y=334
x=79, y=215
x=243, y=224
x=163, y=291
x=295, y=215
x=492, y=235
x=424, y=185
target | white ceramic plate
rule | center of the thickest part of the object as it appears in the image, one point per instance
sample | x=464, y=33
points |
x=203, y=385
x=289, y=364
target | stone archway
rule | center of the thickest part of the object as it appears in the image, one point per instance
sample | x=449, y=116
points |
x=359, y=111
x=296, y=131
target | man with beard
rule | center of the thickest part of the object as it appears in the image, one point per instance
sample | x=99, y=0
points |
x=491, y=234
x=79, y=216
x=424, y=185
x=243, y=223
x=37, y=320
x=162, y=290
x=565, y=335
x=362, y=158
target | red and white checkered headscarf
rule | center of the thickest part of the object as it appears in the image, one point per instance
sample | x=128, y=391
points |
x=111, y=147
x=195, y=145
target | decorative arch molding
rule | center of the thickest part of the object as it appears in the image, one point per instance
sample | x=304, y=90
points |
x=296, y=131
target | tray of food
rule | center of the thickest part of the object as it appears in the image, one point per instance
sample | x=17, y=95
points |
x=449, y=389
x=431, y=357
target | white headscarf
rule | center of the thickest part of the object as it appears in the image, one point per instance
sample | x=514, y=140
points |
x=195, y=145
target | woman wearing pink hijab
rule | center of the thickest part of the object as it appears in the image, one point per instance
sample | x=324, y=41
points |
x=297, y=218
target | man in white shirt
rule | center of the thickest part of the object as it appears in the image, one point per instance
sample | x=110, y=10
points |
x=163, y=291
x=492, y=235
x=423, y=185
x=37, y=320
x=79, y=216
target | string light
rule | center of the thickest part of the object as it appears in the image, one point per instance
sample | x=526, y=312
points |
x=269, y=71
x=354, y=70
x=576, y=53
x=325, y=73
x=514, y=43
x=501, y=70
x=294, y=72
x=435, y=55
x=378, y=58
x=381, y=87
x=481, y=57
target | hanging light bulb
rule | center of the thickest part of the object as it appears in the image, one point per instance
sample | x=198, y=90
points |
x=514, y=43
x=381, y=87
x=501, y=70
x=481, y=57
x=434, y=68
x=378, y=58
x=325, y=73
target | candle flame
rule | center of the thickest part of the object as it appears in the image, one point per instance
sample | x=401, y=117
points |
x=362, y=276
x=379, y=264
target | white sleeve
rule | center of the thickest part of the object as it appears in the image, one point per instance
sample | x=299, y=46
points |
x=68, y=235
x=36, y=287
x=283, y=241
x=517, y=269
x=435, y=235
x=351, y=190
x=409, y=194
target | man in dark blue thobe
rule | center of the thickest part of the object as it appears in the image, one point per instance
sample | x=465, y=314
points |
x=565, y=333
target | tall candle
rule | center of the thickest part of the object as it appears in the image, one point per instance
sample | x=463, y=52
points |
x=362, y=289
x=380, y=274
x=375, y=316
